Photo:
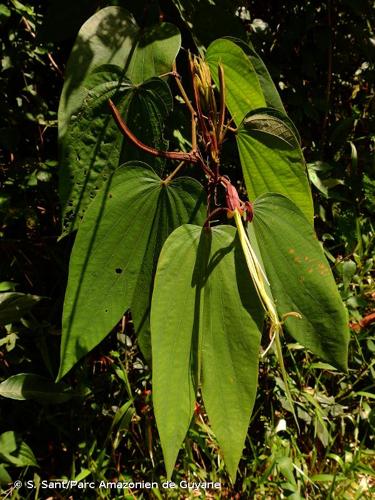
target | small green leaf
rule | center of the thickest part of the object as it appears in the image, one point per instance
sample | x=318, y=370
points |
x=14, y=305
x=300, y=277
x=30, y=386
x=347, y=269
x=115, y=254
x=15, y=451
x=272, y=159
x=4, y=11
x=5, y=478
x=323, y=185
x=208, y=337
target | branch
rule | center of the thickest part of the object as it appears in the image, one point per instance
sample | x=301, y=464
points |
x=192, y=157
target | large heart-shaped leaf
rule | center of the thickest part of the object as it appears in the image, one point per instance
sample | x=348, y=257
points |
x=93, y=146
x=115, y=254
x=242, y=86
x=272, y=159
x=111, y=36
x=300, y=277
x=208, y=337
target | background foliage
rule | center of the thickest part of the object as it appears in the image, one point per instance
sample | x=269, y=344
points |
x=101, y=425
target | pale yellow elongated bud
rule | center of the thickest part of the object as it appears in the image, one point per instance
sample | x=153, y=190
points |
x=257, y=274
x=260, y=279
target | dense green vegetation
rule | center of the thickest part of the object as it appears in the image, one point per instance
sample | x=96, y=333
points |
x=98, y=423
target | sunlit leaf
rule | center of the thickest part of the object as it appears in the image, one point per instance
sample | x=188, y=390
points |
x=115, y=255
x=272, y=159
x=93, y=146
x=243, y=90
x=300, y=278
x=253, y=74
x=209, y=336
x=111, y=36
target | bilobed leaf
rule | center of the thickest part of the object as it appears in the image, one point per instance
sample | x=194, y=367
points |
x=111, y=36
x=209, y=336
x=14, y=305
x=30, y=386
x=93, y=146
x=115, y=254
x=301, y=279
x=242, y=86
x=272, y=159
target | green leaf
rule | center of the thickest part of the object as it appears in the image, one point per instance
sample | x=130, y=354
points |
x=15, y=451
x=272, y=159
x=93, y=146
x=209, y=336
x=5, y=478
x=4, y=11
x=269, y=90
x=323, y=185
x=300, y=277
x=30, y=386
x=14, y=305
x=115, y=254
x=111, y=36
x=242, y=86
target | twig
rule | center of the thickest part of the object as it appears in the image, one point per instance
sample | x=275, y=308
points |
x=172, y=174
x=192, y=157
x=182, y=90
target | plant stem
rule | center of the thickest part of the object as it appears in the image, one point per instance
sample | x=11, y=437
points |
x=172, y=174
x=192, y=157
x=182, y=90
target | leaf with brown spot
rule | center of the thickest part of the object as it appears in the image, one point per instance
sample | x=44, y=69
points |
x=279, y=227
